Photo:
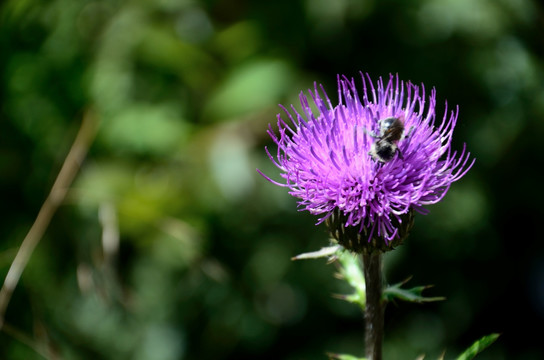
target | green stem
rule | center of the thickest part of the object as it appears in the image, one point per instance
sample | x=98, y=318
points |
x=374, y=310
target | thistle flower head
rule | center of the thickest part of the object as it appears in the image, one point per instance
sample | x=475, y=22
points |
x=331, y=157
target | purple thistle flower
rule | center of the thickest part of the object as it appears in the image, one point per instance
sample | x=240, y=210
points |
x=329, y=162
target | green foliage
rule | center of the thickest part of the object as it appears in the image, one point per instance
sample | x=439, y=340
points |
x=478, y=347
x=169, y=245
x=351, y=271
x=344, y=357
x=392, y=292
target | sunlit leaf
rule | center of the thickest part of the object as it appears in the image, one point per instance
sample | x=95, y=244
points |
x=145, y=129
x=350, y=270
x=250, y=87
x=344, y=357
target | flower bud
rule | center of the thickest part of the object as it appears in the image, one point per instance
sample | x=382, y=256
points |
x=360, y=237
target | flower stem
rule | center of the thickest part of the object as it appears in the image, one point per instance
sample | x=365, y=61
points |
x=374, y=310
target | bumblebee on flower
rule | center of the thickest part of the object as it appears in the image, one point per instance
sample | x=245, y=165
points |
x=366, y=164
x=391, y=132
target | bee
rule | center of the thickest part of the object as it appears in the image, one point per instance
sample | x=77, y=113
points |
x=391, y=132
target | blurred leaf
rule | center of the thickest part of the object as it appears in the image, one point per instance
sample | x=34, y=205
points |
x=146, y=129
x=142, y=195
x=14, y=10
x=7, y=256
x=239, y=40
x=101, y=182
x=478, y=347
x=178, y=244
x=344, y=357
x=251, y=87
x=160, y=47
x=422, y=357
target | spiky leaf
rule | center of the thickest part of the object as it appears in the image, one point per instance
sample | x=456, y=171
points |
x=478, y=347
x=414, y=294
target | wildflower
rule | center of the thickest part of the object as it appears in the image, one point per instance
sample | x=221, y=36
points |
x=330, y=158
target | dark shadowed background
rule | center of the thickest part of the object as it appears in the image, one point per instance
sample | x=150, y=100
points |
x=169, y=245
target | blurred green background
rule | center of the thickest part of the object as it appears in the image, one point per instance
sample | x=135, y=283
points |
x=169, y=245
